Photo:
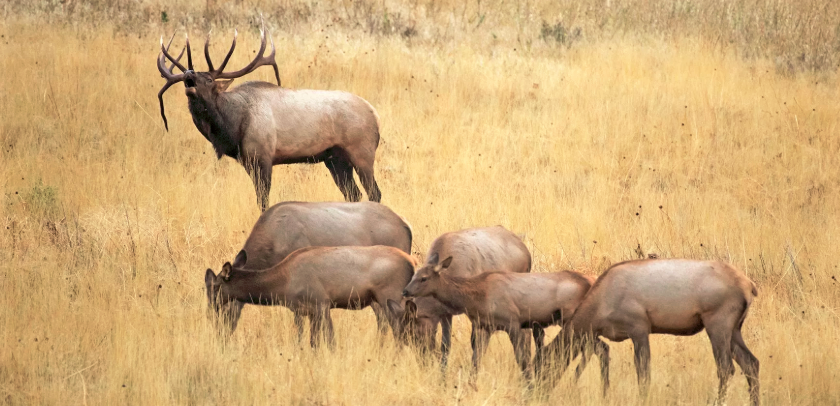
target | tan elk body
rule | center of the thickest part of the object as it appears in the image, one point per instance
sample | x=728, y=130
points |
x=261, y=124
x=505, y=302
x=634, y=299
x=313, y=280
x=474, y=250
x=289, y=226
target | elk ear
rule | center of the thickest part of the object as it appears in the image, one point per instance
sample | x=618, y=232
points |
x=222, y=85
x=240, y=260
x=209, y=278
x=225, y=273
x=394, y=307
x=446, y=262
x=410, y=309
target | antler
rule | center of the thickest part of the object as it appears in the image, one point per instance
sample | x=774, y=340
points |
x=189, y=53
x=165, y=51
x=207, y=52
x=167, y=74
x=260, y=60
x=227, y=57
x=179, y=55
x=219, y=73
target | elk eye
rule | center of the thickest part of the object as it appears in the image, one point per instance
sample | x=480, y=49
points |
x=423, y=279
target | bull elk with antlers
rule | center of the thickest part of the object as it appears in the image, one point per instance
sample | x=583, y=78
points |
x=261, y=124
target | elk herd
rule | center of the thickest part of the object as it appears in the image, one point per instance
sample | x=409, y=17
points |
x=313, y=257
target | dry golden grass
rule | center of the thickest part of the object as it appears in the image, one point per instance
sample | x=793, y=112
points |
x=674, y=146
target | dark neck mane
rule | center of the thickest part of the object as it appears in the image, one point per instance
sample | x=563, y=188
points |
x=217, y=124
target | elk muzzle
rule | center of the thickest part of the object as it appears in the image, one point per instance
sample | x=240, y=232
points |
x=189, y=78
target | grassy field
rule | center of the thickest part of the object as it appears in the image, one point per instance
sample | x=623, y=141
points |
x=596, y=146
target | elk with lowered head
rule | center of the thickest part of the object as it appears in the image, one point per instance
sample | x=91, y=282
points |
x=288, y=226
x=261, y=124
x=313, y=280
x=474, y=250
x=508, y=302
x=668, y=296
x=420, y=317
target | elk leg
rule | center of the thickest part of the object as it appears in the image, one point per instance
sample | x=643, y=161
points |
x=364, y=167
x=428, y=337
x=342, y=174
x=525, y=337
x=381, y=317
x=265, y=186
x=589, y=346
x=603, y=352
x=641, y=352
x=584, y=359
x=748, y=363
x=539, y=342
x=722, y=349
x=328, y=328
x=521, y=352
x=539, y=338
x=260, y=173
x=315, y=327
x=479, y=338
x=445, y=340
x=561, y=350
x=299, y=325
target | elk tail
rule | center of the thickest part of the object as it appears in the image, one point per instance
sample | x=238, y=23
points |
x=748, y=301
x=410, y=231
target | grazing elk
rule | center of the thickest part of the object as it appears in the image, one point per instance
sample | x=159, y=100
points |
x=666, y=296
x=288, y=226
x=313, y=280
x=501, y=301
x=475, y=250
x=420, y=317
x=261, y=124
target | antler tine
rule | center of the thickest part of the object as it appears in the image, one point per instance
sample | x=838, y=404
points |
x=170, y=40
x=270, y=58
x=160, y=99
x=170, y=80
x=274, y=62
x=227, y=57
x=257, y=62
x=173, y=60
x=207, y=52
x=189, y=52
x=177, y=59
x=167, y=48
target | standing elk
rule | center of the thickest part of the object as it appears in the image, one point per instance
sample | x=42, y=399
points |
x=289, y=226
x=313, y=280
x=475, y=250
x=501, y=301
x=261, y=124
x=667, y=296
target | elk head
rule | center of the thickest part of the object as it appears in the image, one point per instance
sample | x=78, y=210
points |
x=218, y=297
x=427, y=279
x=414, y=327
x=206, y=85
